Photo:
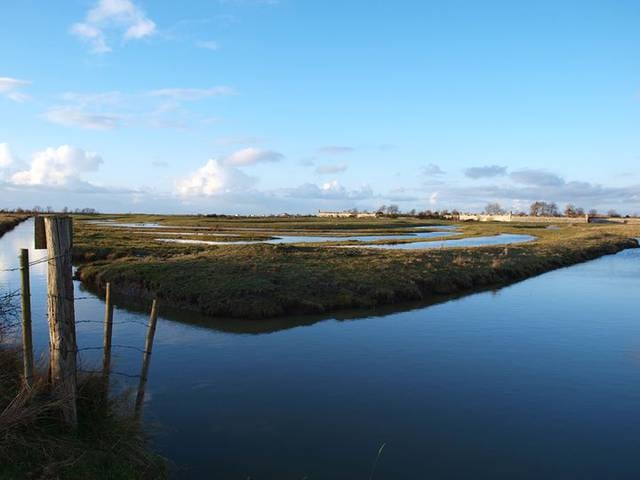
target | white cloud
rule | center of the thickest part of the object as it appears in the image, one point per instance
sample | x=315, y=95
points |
x=251, y=156
x=118, y=15
x=214, y=178
x=92, y=35
x=331, y=190
x=190, y=94
x=208, y=44
x=107, y=110
x=331, y=168
x=538, y=178
x=6, y=157
x=77, y=117
x=583, y=194
x=487, y=171
x=10, y=88
x=140, y=29
x=60, y=166
x=112, y=97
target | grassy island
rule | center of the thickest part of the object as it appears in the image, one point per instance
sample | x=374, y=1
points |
x=259, y=280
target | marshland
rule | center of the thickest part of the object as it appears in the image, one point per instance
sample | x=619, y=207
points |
x=260, y=268
x=308, y=240
x=308, y=358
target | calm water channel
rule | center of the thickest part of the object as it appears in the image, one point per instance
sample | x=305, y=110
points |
x=537, y=380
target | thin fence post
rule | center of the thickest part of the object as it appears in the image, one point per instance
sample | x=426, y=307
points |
x=62, y=328
x=27, y=339
x=108, y=329
x=146, y=360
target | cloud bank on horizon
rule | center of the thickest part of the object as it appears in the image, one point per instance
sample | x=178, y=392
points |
x=246, y=107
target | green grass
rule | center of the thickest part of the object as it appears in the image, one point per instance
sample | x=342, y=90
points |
x=259, y=281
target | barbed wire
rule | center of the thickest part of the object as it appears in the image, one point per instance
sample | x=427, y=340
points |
x=17, y=348
x=36, y=262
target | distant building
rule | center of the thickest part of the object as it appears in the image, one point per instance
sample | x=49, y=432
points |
x=336, y=214
x=347, y=214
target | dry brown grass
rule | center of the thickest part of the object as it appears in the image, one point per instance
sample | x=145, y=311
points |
x=35, y=443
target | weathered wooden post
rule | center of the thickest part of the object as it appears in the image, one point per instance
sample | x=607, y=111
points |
x=27, y=339
x=148, y=346
x=108, y=329
x=62, y=329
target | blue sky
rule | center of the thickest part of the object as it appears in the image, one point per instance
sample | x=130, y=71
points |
x=263, y=106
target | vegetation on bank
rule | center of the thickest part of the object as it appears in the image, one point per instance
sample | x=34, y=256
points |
x=9, y=222
x=261, y=280
x=35, y=443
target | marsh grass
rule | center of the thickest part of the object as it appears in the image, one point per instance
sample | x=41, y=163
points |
x=262, y=280
x=34, y=442
x=10, y=221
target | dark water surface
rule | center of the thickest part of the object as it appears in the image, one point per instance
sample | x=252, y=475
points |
x=537, y=380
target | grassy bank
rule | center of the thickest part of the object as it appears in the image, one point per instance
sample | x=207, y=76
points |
x=258, y=281
x=9, y=222
x=35, y=444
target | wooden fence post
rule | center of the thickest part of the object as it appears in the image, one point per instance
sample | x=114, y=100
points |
x=148, y=346
x=62, y=328
x=108, y=329
x=27, y=339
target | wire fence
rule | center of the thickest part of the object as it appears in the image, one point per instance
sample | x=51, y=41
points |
x=64, y=355
x=35, y=262
x=15, y=324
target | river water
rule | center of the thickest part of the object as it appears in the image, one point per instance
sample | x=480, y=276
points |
x=540, y=379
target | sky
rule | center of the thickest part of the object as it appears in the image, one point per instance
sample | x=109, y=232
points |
x=270, y=106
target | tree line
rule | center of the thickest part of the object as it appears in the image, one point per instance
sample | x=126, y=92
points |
x=548, y=209
x=37, y=209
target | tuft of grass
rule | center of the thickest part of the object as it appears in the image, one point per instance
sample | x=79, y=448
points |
x=34, y=443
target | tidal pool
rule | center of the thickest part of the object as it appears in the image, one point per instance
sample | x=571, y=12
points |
x=500, y=239
x=314, y=239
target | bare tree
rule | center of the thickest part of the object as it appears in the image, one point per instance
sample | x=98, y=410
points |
x=570, y=210
x=544, y=209
x=494, y=208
